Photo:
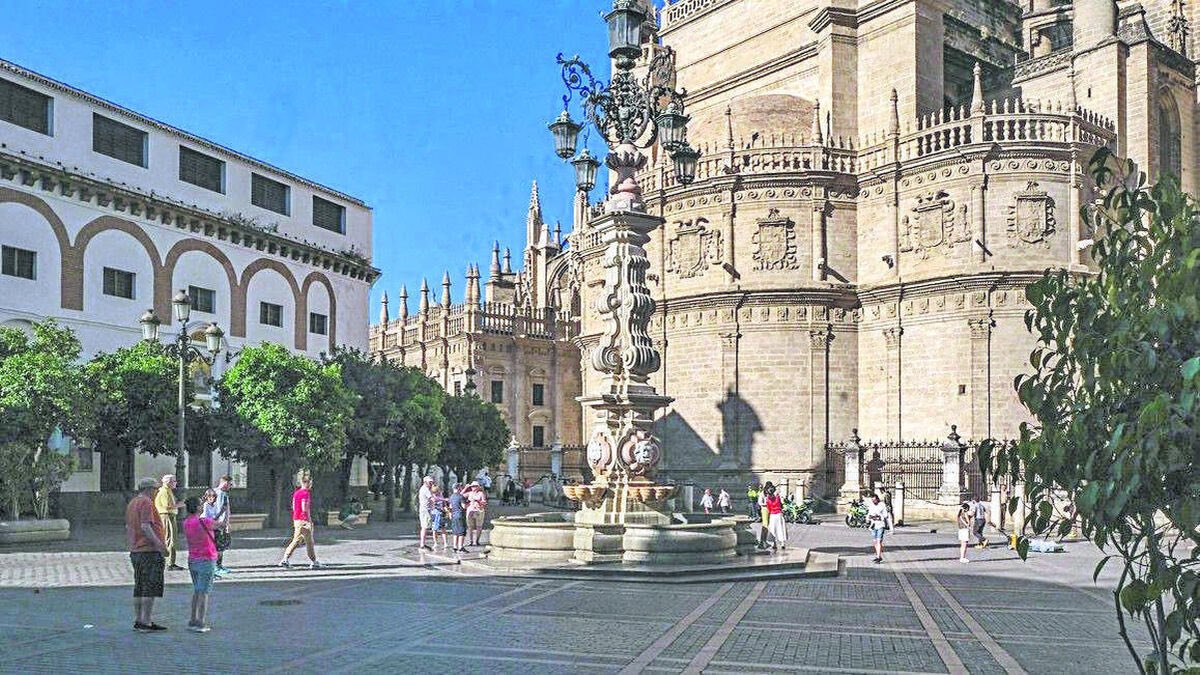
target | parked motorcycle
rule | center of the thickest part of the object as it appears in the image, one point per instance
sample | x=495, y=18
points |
x=801, y=512
x=856, y=515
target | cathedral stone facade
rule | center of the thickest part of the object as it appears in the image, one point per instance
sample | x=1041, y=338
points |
x=879, y=182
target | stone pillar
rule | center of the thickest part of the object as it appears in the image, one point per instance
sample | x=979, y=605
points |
x=556, y=457
x=688, y=497
x=996, y=508
x=818, y=241
x=818, y=388
x=514, y=458
x=891, y=338
x=853, y=457
x=951, y=491
x=981, y=393
x=898, y=503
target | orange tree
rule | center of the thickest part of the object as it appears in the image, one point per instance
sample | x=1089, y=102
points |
x=1114, y=400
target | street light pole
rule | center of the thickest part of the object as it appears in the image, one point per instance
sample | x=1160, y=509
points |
x=185, y=353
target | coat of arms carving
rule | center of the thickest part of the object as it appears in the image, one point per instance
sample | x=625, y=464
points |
x=935, y=222
x=1031, y=219
x=775, y=243
x=693, y=249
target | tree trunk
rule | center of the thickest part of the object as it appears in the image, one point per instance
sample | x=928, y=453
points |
x=276, y=498
x=390, y=508
x=407, y=505
x=344, y=478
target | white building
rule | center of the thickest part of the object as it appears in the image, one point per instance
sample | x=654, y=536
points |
x=105, y=213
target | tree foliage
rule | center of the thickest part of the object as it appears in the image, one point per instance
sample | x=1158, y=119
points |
x=42, y=389
x=282, y=411
x=1114, y=394
x=476, y=435
x=397, y=419
x=136, y=391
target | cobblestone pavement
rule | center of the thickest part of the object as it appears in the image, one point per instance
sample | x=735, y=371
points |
x=920, y=612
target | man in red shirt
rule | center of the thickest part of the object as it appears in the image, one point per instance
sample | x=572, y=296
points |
x=144, y=534
x=302, y=524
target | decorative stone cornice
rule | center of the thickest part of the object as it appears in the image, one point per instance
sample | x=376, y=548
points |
x=172, y=131
x=57, y=180
x=833, y=16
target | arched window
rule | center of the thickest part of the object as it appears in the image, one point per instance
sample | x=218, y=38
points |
x=1169, y=142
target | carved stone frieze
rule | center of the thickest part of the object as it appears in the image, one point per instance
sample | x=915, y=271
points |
x=693, y=249
x=1031, y=217
x=935, y=223
x=775, y=243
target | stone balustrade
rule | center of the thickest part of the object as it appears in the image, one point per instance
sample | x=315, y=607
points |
x=486, y=318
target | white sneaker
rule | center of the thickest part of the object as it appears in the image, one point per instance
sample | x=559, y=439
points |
x=315, y=566
x=963, y=560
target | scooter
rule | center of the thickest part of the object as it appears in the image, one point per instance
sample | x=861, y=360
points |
x=857, y=514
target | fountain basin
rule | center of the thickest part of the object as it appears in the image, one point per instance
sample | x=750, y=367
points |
x=533, y=538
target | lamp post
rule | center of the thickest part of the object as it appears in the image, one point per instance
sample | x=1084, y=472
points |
x=183, y=351
x=628, y=114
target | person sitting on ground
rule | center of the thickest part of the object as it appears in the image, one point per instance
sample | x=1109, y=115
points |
x=350, y=513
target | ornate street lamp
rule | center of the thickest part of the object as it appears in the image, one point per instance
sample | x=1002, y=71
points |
x=185, y=353
x=566, y=135
x=628, y=114
x=585, y=171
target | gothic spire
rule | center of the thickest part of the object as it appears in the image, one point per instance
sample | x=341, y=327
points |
x=533, y=220
x=403, y=302
x=424, y=306
x=446, y=289
x=494, y=270
x=507, y=260
x=383, y=310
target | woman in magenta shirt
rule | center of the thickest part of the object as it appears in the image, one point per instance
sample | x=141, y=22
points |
x=202, y=562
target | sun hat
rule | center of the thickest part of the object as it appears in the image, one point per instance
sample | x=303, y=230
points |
x=147, y=483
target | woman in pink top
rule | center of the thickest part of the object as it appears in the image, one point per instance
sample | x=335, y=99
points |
x=202, y=561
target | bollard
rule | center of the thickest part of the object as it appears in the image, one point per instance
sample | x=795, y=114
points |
x=898, y=503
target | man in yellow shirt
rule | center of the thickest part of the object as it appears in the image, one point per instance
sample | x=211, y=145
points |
x=167, y=507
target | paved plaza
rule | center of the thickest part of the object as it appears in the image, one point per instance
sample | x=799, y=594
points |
x=382, y=607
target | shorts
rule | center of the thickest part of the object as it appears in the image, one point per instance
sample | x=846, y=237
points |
x=202, y=574
x=877, y=533
x=147, y=574
x=475, y=520
x=964, y=534
x=425, y=518
x=458, y=525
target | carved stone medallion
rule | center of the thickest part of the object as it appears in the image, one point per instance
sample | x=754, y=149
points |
x=934, y=223
x=693, y=249
x=775, y=243
x=1031, y=219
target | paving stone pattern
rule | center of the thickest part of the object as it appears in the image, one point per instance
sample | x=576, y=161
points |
x=392, y=610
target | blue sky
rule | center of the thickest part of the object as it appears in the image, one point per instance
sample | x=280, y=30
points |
x=432, y=112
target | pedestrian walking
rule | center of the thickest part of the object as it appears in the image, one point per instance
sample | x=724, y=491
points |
x=147, y=551
x=438, y=517
x=302, y=524
x=476, y=511
x=776, y=525
x=706, y=502
x=879, y=520
x=423, y=516
x=964, y=530
x=200, y=532
x=168, y=510
x=222, y=517
x=458, y=519
x=723, y=501
x=981, y=517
